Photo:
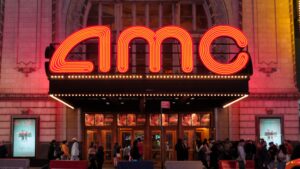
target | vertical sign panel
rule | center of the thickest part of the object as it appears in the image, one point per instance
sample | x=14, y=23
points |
x=270, y=130
x=24, y=137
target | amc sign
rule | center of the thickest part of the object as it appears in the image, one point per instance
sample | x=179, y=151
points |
x=59, y=65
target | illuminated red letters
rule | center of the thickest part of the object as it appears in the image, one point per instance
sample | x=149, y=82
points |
x=58, y=63
x=155, y=40
x=210, y=62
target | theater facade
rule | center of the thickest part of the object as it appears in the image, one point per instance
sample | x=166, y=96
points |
x=114, y=71
x=161, y=102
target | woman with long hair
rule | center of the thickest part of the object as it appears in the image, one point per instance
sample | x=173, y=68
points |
x=92, y=156
x=117, y=154
x=100, y=157
x=281, y=157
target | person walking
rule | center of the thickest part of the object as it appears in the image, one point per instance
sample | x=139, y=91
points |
x=140, y=147
x=242, y=155
x=92, y=156
x=185, y=150
x=198, y=147
x=65, y=150
x=281, y=157
x=134, y=152
x=126, y=152
x=296, y=154
x=75, y=150
x=204, y=150
x=100, y=157
x=51, y=151
x=117, y=154
x=3, y=150
x=272, y=154
x=179, y=150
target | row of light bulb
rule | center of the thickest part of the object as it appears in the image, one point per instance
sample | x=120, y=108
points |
x=153, y=94
x=148, y=77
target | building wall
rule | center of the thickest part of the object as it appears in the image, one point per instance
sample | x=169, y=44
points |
x=23, y=82
x=269, y=28
x=29, y=26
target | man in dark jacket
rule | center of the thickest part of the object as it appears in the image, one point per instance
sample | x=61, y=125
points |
x=180, y=150
x=272, y=153
x=3, y=150
x=296, y=154
x=51, y=155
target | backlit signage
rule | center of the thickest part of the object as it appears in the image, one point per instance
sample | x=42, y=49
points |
x=24, y=137
x=58, y=63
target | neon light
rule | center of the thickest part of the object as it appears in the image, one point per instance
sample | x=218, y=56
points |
x=186, y=43
x=293, y=163
x=55, y=98
x=208, y=60
x=241, y=98
x=58, y=63
x=155, y=40
x=123, y=47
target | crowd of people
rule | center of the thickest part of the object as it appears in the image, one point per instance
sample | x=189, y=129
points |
x=62, y=151
x=269, y=156
x=96, y=153
x=129, y=153
x=209, y=152
x=71, y=151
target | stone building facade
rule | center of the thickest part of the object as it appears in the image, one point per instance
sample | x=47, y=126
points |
x=27, y=27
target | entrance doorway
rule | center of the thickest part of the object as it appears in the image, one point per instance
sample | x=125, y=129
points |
x=168, y=151
x=170, y=142
x=101, y=137
x=128, y=135
x=191, y=135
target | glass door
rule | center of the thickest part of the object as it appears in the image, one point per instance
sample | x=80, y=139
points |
x=106, y=142
x=198, y=135
x=170, y=141
x=156, y=146
x=189, y=141
x=125, y=138
x=91, y=137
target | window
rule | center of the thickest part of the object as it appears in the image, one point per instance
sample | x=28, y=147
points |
x=127, y=15
x=201, y=19
x=154, y=15
x=119, y=16
x=93, y=15
x=186, y=16
x=167, y=14
x=108, y=15
x=140, y=14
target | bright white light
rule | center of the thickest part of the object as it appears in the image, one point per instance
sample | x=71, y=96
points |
x=241, y=98
x=55, y=98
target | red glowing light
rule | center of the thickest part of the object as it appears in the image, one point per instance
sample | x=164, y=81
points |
x=58, y=63
x=208, y=60
x=123, y=47
x=185, y=41
x=293, y=163
x=155, y=40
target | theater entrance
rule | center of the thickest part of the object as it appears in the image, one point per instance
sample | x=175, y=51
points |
x=127, y=136
x=159, y=133
x=101, y=137
x=191, y=135
x=163, y=150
